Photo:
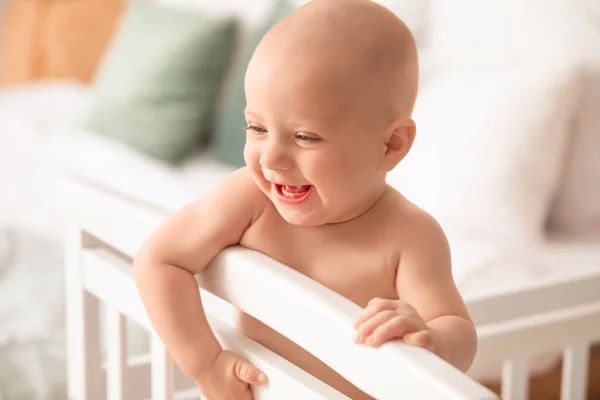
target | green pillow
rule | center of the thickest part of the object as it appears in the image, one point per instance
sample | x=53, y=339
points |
x=158, y=83
x=229, y=138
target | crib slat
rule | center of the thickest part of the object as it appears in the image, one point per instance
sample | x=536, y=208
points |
x=116, y=353
x=575, y=372
x=515, y=379
x=85, y=380
x=162, y=371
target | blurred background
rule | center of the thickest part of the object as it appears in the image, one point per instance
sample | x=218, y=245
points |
x=145, y=97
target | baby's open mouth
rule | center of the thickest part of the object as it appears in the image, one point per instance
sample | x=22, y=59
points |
x=293, y=192
x=292, y=195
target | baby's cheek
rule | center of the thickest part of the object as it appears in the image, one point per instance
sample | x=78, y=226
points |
x=251, y=156
x=339, y=180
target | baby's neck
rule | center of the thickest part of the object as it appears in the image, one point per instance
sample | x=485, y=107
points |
x=366, y=208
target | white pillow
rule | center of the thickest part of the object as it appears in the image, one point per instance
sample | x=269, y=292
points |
x=489, y=147
x=577, y=207
x=462, y=30
x=499, y=86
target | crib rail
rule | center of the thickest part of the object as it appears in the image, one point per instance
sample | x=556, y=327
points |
x=541, y=297
x=550, y=317
x=108, y=227
x=108, y=277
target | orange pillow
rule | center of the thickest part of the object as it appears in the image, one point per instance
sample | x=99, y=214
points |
x=20, y=47
x=76, y=36
x=56, y=39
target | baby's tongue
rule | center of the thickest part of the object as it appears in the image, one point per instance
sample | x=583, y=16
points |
x=296, y=189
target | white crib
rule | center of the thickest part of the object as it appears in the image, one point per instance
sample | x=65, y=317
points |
x=106, y=228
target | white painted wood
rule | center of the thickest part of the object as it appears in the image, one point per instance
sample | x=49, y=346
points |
x=575, y=372
x=289, y=301
x=131, y=221
x=540, y=297
x=515, y=379
x=285, y=378
x=540, y=334
x=162, y=371
x=137, y=375
x=85, y=380
x=188, y=395
x=116, y=354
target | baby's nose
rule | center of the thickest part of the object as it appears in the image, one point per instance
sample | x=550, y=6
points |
x=276, y=159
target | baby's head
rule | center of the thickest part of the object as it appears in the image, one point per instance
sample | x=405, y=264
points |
x=330, y=92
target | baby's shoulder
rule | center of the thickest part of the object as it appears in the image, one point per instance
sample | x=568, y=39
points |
x=239, y=193
x=406, y=217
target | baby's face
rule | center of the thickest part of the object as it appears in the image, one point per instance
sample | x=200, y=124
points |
x=313, y=146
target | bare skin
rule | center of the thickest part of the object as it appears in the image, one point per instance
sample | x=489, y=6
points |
x=329, y=92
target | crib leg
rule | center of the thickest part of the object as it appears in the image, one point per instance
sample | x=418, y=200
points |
x=83, y=326
x=162, y=371
x=515, y=379
x=116, y=354
x=575, y=372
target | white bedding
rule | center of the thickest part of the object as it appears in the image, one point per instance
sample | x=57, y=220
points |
x=40, y=142
x=31, y=280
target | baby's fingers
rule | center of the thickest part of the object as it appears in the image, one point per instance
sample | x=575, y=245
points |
x=248, y=373
x=422, y=339
x=370, y=325
x=394, y=328
x=375, y=306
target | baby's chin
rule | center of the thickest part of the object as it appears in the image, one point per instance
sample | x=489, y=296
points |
x=299, y=217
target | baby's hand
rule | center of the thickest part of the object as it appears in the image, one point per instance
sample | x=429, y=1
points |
x=229, y=378
x=383, y=320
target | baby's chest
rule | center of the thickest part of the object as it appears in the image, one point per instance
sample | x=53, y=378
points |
x=353, y=265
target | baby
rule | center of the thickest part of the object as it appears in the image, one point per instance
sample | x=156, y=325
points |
x=330, y=92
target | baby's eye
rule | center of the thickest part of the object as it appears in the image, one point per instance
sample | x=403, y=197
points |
x=255, y=128
x=307, y=139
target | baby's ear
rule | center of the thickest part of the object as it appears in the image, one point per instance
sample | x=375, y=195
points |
x=399, y=138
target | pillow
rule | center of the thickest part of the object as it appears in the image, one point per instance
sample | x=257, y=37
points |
x=158, y=83
x=493, y=123
x=20, y=58
x=577, y=206
x=489, y=147
x=76, y=34
x=576, y=210
x=64, y=40
x=229, y=139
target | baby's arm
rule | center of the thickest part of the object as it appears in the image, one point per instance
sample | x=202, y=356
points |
x=182, y=246
x=424, y=280
x=429, y=311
